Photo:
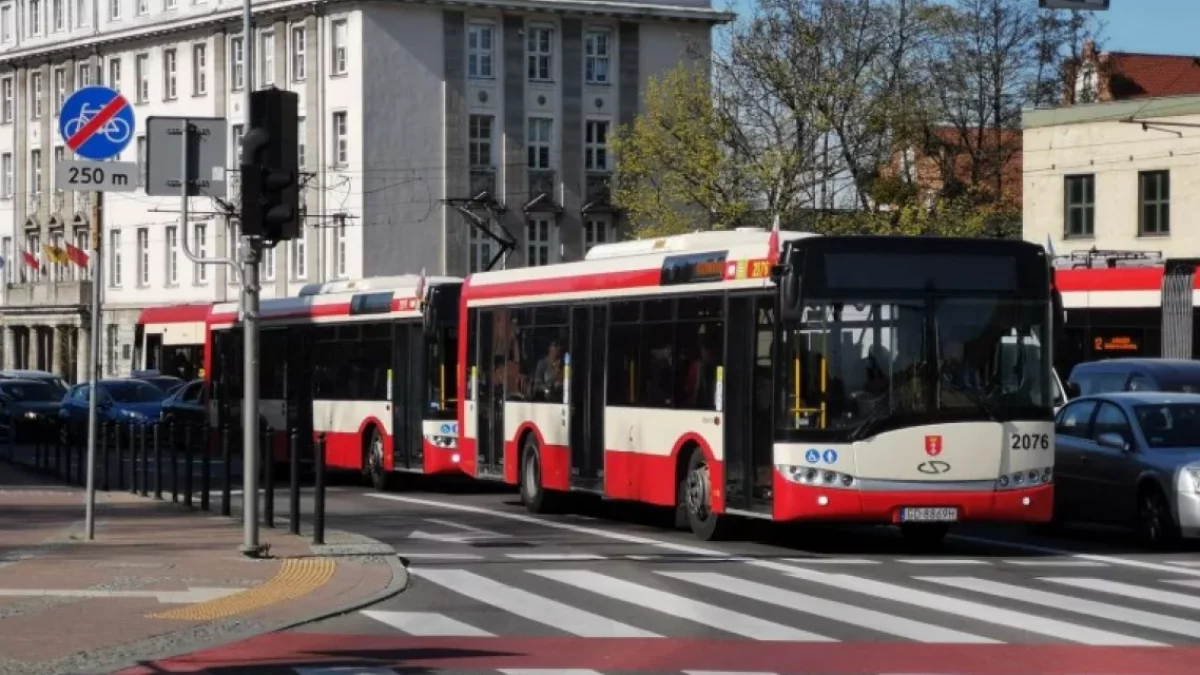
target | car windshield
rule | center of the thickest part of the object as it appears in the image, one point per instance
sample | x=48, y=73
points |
x=31, y=391
x=167, y=384
x=133, y=392
x=1170, y=425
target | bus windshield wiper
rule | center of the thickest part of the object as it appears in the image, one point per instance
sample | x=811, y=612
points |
x=867, y=425
x=979, y=400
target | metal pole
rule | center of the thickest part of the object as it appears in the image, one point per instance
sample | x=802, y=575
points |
x=319, y=493
x=268, y=478
x=158, y=462
x=205, y=466
x=251, y=248
x=294, y=487
x=94, y=371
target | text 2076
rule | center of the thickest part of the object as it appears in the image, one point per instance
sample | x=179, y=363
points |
x=1029, y=441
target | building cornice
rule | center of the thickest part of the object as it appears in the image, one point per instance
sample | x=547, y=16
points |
x=1142, y=109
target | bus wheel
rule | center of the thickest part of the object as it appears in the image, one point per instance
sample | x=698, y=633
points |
x=532, y=493
x=374, y=460
x=697, y=490
x=924, y=535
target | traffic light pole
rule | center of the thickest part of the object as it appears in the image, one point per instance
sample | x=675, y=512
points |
x=251, y=246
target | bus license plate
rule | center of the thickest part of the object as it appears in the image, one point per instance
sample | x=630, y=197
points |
x=926, y=514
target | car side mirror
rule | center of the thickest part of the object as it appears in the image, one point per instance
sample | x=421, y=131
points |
x=1073, y=390
x=1112, y=439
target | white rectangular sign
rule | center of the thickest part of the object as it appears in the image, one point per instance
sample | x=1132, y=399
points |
x=96, y=176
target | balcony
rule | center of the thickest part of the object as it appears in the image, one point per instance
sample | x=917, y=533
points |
x=483, y=180
x=541, y=192
x=49, y=293
x=597, y=192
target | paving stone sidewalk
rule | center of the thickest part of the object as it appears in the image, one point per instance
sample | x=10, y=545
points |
x=158, y=580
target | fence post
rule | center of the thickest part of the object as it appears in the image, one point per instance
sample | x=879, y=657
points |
x=227, y=478
x=158, y=461
x=268, y=453
x=105, y=427
x=187, y=465
x=205, y=465
x=319, y=492
x=145, y=491
x=120, y=455
x=12, y=439
x=173, y=448
x=294, y=482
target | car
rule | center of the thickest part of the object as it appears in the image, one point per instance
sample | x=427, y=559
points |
x=1130, y=460
x=1134, y=374
x=121, y=401
x=27, y=406
x=41, y=375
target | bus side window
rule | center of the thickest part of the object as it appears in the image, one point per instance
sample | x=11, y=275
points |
x=624, y=362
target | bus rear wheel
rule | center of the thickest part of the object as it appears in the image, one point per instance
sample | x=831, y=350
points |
x=533, y=494
x=696, y=489
x=924, y=536
x=373, y=460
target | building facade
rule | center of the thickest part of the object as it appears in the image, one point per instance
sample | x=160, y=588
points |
x=433, y=136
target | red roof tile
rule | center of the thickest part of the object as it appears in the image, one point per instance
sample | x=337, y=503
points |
x=1153, y=75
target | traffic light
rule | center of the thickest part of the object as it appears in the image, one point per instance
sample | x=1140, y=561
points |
x=270, y=167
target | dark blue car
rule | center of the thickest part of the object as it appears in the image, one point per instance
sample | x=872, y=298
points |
x=120, y=401
x=28, y=407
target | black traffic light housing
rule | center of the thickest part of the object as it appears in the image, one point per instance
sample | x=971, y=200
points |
x=270, y=167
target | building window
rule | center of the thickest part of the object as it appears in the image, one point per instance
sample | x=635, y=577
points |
x=1154, y=195
x=114, y=73
x=170, y=74
x=6, y=168
x=540, y=131
x=60, y=153
x=479, y=146
x=81, y=243
x=81, y=13
x=114, y=258
x=481, y=250
x=300, y=254
x=267, y=59
x=235, y=236
x=111, y=343
x=200, y=238
x=58, y=15
x=57, y=241
x=35, y=95
x=141, y=158
x=268, y=263
x=539, y=49
x=6, y=23
x=35, y=17
x=339, y=249
x=341, y=34
x=6, y=251
x=341, y=149
x=171, y=4
x=537, y=242
x=480, y=50
x=199, y=69
x=597, y=230
x=60, y=89
x=172, y=243
x=238, y=132
x=33, y=246
x=83, y=75
x=143, y=7
x=237, y=63
x=301, y=144
x=1081, y=205
x=35, y=162
x=114, y=10
x=141, y=75
x=143, y=256
x=595, y=148
x=299, y=48
x=6, y=100
x=596, y=56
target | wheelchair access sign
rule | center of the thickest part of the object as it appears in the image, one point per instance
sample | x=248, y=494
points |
x=96, y=123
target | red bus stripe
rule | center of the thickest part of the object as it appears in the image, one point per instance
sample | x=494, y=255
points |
x=583, y=283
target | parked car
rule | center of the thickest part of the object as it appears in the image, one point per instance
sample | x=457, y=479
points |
x=27, y=405
x=169, y=384
x=1130, y=460
x=184, y=407
x=121, y=401
x=1133, y=374
x=40, y=375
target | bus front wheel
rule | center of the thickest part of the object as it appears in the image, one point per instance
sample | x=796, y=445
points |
x=373, y=460
x=533, y=494
x=696, y=489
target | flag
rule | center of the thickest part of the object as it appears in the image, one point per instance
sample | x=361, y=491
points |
x=31, y=261
x=77, y=256
x=55, y=254
x=773, y=243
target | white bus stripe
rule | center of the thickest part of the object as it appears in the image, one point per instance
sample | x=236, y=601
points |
x=685, y=608
x=1129, y=591
x=425, y=624
x=828, y=609
x=530, y=606
x=973, y=610
x=1068, y=603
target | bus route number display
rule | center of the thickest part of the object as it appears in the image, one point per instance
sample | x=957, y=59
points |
x=694, y=268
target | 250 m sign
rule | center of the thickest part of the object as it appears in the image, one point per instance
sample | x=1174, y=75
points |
x=96, y=176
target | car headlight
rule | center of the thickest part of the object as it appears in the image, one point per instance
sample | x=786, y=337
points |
x=133, y=414
x=31, y=415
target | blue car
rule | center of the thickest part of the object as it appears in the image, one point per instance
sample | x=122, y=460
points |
x=120, y=401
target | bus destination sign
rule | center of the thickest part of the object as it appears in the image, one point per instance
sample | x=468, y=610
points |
x=694, y=268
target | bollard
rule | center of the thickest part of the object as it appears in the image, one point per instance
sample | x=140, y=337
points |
x=268, y=478
x=319, y=492
x=294, y=480
x=172, y=441
x=133, y=458
x=205, y=466
x=12, y=439
x=120, y=455
x=227, y=478
x=60, y=460
x=104, y=430
x=187, y=465
x=158, y=471
x=145, y=452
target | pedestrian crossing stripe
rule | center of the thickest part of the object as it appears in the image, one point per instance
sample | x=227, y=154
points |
x=932, y=609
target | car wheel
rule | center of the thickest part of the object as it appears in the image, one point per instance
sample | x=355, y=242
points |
x=1155, y=523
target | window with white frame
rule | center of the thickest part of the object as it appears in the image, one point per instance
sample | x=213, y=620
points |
x=172, y=251
x=238, y=132
x=60, y=153
x=339, y=250
x=33, y=246
x=7, y=175
x=143, y=256
x=141, y=158
x=6, y=252
x=199, y=69
x=538, y=241
x=479, y=141
x=58, y=15
x=60, y=89
x=143, y=7
x=112, y=344
x=6, y=22
x=81, y=13
x=114, y=9
x=301, y=144
x=597, y=48
x=141, y=75
x=268, y=263
x=539, y=48
x=57, y=241
x=480, y=50
x=6, y=100
x=114, y=258
x=299, y=49
x=114, y=73
x=170, y=74
x=541, y=130
x=595, y=146
x=35, y=169
x=299, y=255
x=235, y=239
x=81, y=243
x=35, y=17
x=267, y=59
x=597, y=230
x=171, y=4
x=341, y=140
x=237, y=63
x=480, y=250
x=200, y=244
x=83, y=75
x=339, y=57
x=35, y=94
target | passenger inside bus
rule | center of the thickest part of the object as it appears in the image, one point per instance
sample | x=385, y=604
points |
x=548, y=375
x=956, y=370
x=700, y=386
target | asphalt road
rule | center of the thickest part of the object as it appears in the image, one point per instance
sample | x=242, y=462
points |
x=606, y=587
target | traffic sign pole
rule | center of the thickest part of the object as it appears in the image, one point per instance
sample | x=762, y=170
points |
x=250, y=250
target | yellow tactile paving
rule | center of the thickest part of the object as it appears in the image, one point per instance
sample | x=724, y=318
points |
x=296, y=578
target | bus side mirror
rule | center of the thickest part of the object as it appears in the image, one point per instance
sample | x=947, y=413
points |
x=429, y=311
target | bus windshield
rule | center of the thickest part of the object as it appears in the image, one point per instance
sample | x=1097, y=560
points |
x=853, y=367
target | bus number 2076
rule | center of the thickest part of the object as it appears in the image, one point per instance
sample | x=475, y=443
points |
x=1029, y=442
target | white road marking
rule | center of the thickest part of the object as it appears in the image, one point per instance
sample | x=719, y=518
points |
x=828, y=609
x=1068, y=603
x=676, y=605
x=426, y=624
x=972, y=610
x=442, y=556
x=1184, y=563
x=1190, y=583
x=554, y=557
x=1092, y=557
x=1055, y=563
x=942, y=561
x=833, y=561
x=530, y=606
x=1129, y=591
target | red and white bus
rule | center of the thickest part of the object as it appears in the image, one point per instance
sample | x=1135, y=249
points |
x=170, y=339
x=874, y=379
x=371, y=364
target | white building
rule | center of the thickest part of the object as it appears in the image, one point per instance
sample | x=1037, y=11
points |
x=413, y=115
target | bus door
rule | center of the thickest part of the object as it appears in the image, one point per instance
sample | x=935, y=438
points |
x=298, y=378
x=492, y=364
x=748, y=381
x=589, y=326
x=408, y=395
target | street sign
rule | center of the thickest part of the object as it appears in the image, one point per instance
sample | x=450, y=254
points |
x=96, y=123
x=96, y=176
x=207, y=156
x=1084, y=5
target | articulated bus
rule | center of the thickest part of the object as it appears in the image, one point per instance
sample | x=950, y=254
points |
x=772, y=375
x=371, y=364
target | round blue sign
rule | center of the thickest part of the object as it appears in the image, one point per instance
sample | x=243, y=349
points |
x=812, y=456
x=96, y=123
x=831, y=456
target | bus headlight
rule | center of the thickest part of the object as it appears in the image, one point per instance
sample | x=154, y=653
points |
x=447, y=442
x=1023, y=479
x=807, y=475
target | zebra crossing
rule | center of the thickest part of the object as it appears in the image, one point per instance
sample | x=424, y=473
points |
x=798, y=603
